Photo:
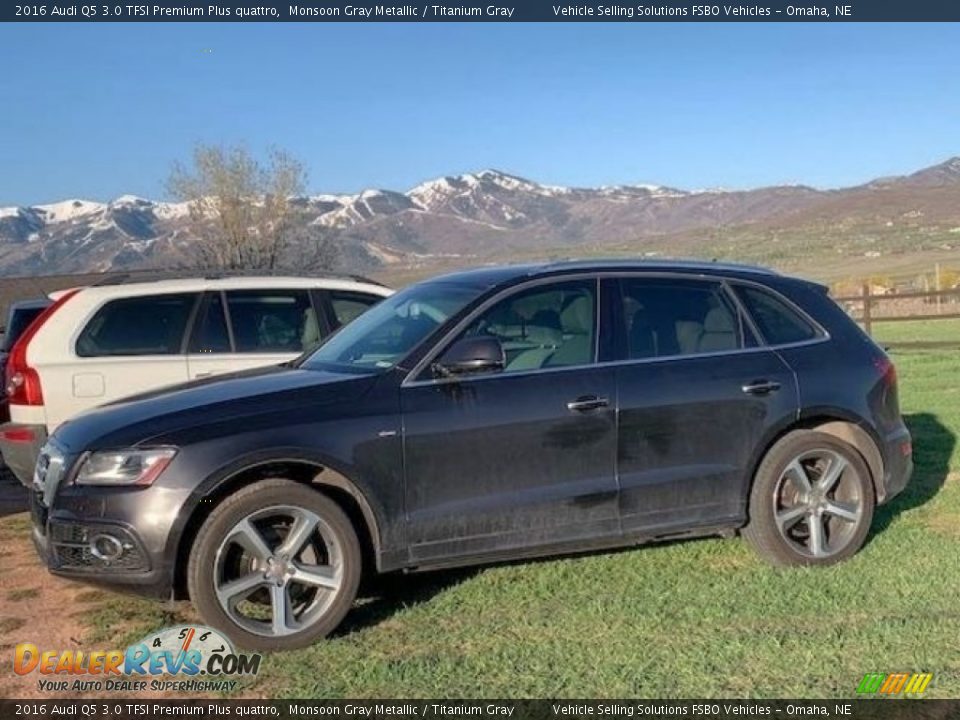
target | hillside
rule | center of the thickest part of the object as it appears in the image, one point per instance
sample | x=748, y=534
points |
x=492, y=215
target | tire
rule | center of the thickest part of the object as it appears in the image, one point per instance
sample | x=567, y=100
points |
x=319, y=575
x=784, y=511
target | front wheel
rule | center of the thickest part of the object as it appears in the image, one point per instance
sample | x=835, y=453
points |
x=812, y=501
x=276, y=566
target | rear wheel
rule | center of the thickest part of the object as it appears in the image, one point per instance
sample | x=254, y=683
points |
x=276, y=566
x=812, y=501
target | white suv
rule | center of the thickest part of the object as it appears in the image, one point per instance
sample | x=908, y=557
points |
x=101, y=343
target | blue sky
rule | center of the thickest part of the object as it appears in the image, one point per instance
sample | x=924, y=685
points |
x=96, y=111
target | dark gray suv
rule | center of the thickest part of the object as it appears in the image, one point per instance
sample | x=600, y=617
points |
x=483, y=416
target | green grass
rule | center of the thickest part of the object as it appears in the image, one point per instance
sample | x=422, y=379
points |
x=692, y=619
x=924, y=331
x=120, y=620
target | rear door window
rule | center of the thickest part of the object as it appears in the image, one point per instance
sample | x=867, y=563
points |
x=144, y=325
x=272, y=321
x=667, y=317
x=779, y=323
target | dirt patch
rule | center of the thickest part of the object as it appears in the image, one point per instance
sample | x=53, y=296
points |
x=43, y=619
x=38, y=607
x=10, y=624
x=728, y=563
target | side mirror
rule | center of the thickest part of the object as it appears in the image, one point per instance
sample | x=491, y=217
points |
x=471, y=355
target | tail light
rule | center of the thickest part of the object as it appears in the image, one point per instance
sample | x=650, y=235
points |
x=23, y=382
x=887, y=370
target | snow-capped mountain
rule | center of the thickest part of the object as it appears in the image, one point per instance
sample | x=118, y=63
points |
x=484, y=215
x=346, y=210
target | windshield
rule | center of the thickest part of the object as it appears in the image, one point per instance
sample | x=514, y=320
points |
x=382, y=336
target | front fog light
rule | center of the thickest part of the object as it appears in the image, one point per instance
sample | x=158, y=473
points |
x=106, y=547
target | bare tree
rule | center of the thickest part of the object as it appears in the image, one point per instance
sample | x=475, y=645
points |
x=311, y=248
x=245, y=213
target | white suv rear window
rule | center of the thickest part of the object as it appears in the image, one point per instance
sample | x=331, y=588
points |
x=144, y=325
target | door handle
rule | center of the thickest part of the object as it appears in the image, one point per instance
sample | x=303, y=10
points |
x=585, y=403
x=761, y=387
x=204, y=374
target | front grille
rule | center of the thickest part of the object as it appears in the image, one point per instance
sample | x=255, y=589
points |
x=71, y=549
x=77, y=557
x=68, y=533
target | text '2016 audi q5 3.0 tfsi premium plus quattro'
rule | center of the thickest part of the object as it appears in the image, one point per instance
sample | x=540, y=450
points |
x=483, y=416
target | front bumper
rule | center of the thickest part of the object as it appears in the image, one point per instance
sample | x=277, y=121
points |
x=20, y=445
x=107, y=538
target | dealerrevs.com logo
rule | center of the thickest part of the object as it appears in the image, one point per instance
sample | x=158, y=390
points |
x=188, y=658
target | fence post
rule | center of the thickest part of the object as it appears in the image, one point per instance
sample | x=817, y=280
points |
x=937, y=267
x=867, y=309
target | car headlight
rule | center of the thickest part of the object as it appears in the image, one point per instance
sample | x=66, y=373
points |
x=133, y=466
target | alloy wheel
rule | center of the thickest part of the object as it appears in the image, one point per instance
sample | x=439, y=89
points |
x=818, y=503
x=278, y=570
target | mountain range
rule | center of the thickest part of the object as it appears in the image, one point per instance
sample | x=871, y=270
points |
x=491, y=215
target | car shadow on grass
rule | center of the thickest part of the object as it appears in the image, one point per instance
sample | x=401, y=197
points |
x=382, y=597
x=933, y=446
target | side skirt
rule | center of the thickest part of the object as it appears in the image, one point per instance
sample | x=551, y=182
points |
x=726, y=529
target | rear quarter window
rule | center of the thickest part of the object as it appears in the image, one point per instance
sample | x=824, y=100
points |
x=348, y=306
x=144, y=325
x=778, y=321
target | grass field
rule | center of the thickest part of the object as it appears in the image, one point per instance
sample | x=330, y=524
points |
x=693, y=619
x=920, y=331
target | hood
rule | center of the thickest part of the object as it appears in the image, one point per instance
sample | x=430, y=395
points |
x=144, y=418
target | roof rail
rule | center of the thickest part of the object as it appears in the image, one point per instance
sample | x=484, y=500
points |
x=140, y=276
x=657, y=263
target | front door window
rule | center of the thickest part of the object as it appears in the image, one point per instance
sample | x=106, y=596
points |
x=544, y=327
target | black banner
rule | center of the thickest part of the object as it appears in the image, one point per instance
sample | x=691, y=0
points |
x=116, y=709
x=497, y=11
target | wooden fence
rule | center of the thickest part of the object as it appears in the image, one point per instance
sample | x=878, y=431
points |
x=871, y=306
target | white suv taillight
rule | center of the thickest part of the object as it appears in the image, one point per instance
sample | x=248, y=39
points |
x=23, y=382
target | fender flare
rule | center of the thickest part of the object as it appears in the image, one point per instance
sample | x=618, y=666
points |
x=328, y=474
x=841, y=424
